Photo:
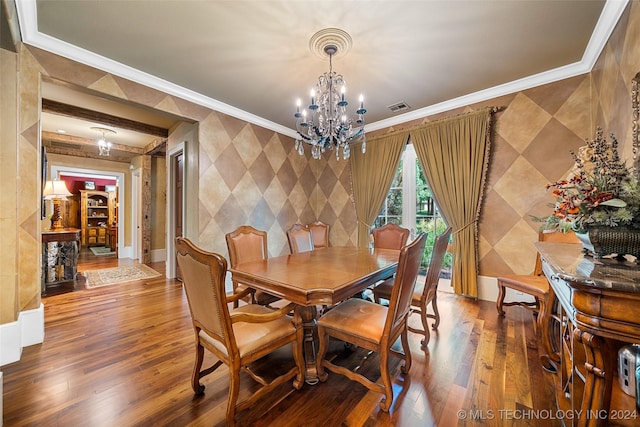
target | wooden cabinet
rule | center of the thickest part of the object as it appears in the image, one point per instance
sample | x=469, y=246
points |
x=59, y=258
x=97, y=215
x=595, y=311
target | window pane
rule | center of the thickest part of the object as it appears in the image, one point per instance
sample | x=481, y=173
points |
x=427, y=217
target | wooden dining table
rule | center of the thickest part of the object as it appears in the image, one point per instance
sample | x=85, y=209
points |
x=322, y=277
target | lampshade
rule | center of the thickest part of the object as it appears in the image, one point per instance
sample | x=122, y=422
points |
x=55, y=190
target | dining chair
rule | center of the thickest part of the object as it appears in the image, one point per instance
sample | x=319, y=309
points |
x=390, y=236
x=246, y=244
x=426, y=292
x=237, y=337
x=537, y=286
x=373, y=326
x=300, y=239
x=319, y=233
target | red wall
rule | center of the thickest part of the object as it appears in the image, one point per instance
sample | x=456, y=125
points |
x=76, y=183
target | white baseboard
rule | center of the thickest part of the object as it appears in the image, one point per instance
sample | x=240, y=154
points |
x=488, y=290
x=125, y=252
x=27, y=330
x=158, y=255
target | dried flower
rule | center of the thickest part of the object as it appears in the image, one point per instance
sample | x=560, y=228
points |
x=601, y=191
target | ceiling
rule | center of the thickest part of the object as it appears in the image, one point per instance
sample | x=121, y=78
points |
x=252, y=59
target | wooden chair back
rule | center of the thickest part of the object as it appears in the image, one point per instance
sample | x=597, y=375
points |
x=424, y=293
x=216, y=329
x=404, y=284
x=203, y=279
x=319, y=233
x=552, y=236
x=300, y=239
x=374, y=327
x=246, y=244
x=435, y=265
x=390, y=236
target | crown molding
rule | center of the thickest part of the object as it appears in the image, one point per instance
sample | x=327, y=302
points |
x=27, y=17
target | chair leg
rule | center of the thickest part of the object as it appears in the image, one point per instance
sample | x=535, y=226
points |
x=500, y=300
x=234, y=390
x=436, y=313
x=195, y=377
x=376, y=297
x=323, y=339
x=404, y=339
x=233, y=289
x=385, y=405
x=425, y=327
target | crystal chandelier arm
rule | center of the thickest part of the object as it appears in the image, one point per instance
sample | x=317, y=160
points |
x=328, y=125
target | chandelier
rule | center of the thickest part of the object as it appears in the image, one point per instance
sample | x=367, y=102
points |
x=327, y=124
x=103, y=145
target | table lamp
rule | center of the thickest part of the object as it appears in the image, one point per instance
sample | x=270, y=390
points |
x=56, y=191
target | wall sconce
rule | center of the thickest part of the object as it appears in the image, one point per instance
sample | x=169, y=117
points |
x=56, y=191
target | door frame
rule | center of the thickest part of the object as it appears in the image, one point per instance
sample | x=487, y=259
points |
x=136, y=231
x=170, y=263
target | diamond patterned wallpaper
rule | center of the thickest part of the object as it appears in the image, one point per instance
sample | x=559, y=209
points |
x=249, y=175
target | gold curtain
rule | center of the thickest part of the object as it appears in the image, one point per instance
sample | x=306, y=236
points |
x=371, y=177
x=454, y=153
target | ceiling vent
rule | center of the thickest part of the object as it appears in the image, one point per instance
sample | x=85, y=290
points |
x=399, y=106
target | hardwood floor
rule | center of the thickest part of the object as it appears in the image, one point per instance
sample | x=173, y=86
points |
x=123, y=354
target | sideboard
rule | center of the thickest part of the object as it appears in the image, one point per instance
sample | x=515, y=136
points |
x=594, y=312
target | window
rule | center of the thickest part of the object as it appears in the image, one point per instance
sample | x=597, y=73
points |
x=410, y=204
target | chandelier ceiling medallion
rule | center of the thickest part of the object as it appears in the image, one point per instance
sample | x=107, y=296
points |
x=103, y=145
x=326, y=124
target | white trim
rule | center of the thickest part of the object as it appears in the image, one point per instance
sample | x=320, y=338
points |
x=136, y=231
x=611, y=13
x=28, y=21
x=57, y=170
x=83, y=174
x=488, y=291
x=27, y=330
x=125, y=252
x=158, y=255
x=170, y=264
x=409, y=196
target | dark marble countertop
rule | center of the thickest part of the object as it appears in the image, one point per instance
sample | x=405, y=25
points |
x=570, y=264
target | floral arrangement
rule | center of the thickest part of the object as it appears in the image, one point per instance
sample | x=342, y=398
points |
x=601, y=190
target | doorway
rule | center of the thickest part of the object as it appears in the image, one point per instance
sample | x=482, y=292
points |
x=57, y=171
x=175, y=206
x=136, y=233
